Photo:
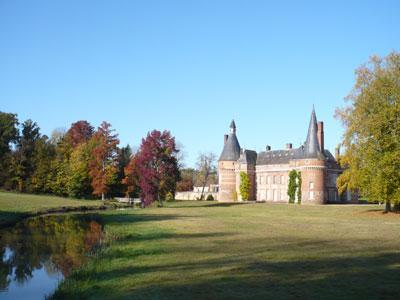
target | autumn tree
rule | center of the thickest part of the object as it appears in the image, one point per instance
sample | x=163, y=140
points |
x=187, y=180
x=372, y=132
x=205, y=167
x=157, y=166
x=103, y=166
x=131, y=177
x=80, y=132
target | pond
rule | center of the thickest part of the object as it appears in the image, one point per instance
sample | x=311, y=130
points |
x=38, y=253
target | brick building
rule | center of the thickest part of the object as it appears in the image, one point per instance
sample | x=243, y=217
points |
x=269, y=170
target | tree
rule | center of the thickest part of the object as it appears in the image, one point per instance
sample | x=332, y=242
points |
x=132, y=179
x=79, y=181
x=9, y=134
x=244, y=186
x=25, y=154
x=157, y=166
x=299, y=183
x=103, y=166
x=372, y=132
x=80, y=132
x=187, y=180
x=44, y=153
x=292, y=186
x=124, y=155
x=205, y=167
x=60, y=166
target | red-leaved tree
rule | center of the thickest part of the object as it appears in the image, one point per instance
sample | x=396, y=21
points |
x=157, y=166
x=80, y=132
x=103, y=166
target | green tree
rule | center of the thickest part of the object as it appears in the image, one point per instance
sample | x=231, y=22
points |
x=124, y=155
x=79, y=181
x=244, y=186
x=299, y=183
x=44, y=153
x=60, y=167
x=372, y=132
x=292, y=186
x=9, y=134
x=25, y=154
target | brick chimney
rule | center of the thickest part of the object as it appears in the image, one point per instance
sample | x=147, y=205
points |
x=289, y=146
x=225, y=138
x=321, y=138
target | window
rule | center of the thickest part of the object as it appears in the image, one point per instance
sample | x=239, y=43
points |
x=269, y=179
x=311, y=185
x=311, y=195
x=282, y=179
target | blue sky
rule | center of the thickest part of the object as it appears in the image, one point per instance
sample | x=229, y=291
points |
x=190, y=66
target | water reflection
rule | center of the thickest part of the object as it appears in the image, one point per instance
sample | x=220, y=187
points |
x=38, y=253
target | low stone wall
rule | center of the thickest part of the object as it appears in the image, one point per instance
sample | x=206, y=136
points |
x=193, y=195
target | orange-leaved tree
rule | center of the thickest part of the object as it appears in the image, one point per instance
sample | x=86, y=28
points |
x=103, y=166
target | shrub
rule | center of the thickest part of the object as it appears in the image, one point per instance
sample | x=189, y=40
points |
x=210, y=198
x=169, y=197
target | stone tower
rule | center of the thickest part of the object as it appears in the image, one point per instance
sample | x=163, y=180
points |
x=312, y=165
x=227, y=165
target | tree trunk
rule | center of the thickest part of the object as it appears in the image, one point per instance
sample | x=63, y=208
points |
x=388, y=207
x=160, y=203
x=102, y=196
x=204, y=185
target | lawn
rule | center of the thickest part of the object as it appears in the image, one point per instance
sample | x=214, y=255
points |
x=203, y=250
x=14, y=206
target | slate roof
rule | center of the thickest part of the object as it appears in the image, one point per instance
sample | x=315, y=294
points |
x=248, y=157
x=277, y=157
x=311, y=146
x=233, y=125
x=231, y=150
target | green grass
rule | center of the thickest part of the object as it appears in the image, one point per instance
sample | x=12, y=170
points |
x=14, y=206
x=203, y=250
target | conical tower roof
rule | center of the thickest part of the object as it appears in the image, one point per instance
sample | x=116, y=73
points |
x=231, y=151
x=311, y=147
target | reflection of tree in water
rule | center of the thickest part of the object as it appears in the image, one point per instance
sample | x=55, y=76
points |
x=57, y=243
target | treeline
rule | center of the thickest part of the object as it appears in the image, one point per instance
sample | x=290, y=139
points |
x=84, y=162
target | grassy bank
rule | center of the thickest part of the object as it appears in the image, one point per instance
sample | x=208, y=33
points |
x=202, y=250
x=15, y=206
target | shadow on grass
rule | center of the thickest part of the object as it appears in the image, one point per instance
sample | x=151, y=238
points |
x=136, y=218
x=374, y=277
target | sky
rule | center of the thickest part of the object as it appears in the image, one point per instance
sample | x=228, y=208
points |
x=190, y=66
